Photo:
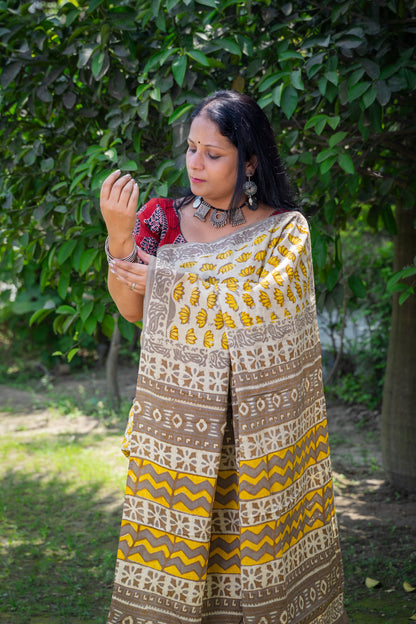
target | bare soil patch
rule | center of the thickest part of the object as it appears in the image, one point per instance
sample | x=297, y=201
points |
x=377, y=524
x=362, y=492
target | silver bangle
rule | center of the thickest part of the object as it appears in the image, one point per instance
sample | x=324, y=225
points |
x=132, y=257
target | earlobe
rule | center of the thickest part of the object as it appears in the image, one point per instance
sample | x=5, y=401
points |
x=251, y=165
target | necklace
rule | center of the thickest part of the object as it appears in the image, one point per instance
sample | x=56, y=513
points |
x=218, y=217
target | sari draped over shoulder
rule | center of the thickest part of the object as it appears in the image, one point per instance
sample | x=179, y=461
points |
x=229, y=509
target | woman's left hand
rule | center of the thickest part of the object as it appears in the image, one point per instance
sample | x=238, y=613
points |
x=132, y=274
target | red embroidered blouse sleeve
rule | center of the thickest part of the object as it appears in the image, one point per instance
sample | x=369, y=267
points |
x=157, y=224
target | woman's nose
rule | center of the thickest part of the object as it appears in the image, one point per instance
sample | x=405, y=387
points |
x=195, y=160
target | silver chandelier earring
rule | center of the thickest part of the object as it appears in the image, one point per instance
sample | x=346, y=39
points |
x=250, y=189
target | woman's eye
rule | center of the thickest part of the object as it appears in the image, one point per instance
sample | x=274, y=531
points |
x=192, y=150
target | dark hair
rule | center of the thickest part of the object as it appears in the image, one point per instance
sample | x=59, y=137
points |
x=243, y=122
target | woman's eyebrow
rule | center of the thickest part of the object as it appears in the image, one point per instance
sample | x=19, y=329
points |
x=206, y=144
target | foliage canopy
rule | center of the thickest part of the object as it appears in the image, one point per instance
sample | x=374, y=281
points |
x=87, y=87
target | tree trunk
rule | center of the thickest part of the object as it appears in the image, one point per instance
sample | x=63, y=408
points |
x=111, y=368
x=398, y=421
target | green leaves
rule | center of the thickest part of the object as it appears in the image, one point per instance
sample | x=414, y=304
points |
x=199, y=57
x=100, y=64
x=403, y=282
x=179, y=68
x=10, y=72
x=316, y=42
x=179, y=112
x=228, y=44
x=383, y=92
x=357, y=90
x=389, y=219
x=336, y=138
x=66, y=249
x=319, y=248
x=289, y=101
x=346, y=163
x=318, y=122
x=209, y=3
x=111, y=86
x=357, y=286
x=93, y=5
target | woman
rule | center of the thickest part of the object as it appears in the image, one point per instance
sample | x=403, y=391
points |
x=229, y=514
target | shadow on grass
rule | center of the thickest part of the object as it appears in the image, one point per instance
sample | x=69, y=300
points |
x=378, y=541
x=59, y=543
x=59, y=538
x=388, y=556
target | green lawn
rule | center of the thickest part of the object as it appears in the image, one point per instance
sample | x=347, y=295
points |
x=60, y=511
x=61, y=492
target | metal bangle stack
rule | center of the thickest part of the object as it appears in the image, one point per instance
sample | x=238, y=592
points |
x=132, y=257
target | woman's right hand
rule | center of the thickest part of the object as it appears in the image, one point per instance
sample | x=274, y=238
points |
x=126, y=280
x=118, y=202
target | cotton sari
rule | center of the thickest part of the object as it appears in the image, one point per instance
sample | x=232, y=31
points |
x=229, y=508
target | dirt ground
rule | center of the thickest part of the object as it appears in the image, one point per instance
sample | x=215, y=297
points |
x=362, y=492
x=373, y=518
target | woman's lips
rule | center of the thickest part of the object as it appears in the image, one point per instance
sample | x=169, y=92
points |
x=196, y=180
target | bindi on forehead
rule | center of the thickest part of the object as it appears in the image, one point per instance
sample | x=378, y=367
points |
x=214, y=145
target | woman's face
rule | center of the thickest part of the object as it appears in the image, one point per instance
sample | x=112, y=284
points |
x=211, y=162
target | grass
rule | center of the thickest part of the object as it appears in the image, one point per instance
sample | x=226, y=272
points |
x=60, y=511
x=378, y=550
x=387, y=556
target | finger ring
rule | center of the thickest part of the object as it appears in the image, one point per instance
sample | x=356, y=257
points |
x=132, y=287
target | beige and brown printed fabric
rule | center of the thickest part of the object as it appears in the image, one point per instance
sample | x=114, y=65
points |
x=229, y=510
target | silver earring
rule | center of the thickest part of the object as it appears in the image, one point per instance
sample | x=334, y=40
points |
x=250, y=189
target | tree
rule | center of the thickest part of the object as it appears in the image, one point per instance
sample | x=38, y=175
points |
x=398, y=422
x=90, y=86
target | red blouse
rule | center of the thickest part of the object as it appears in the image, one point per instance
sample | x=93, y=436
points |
x=157, y=224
